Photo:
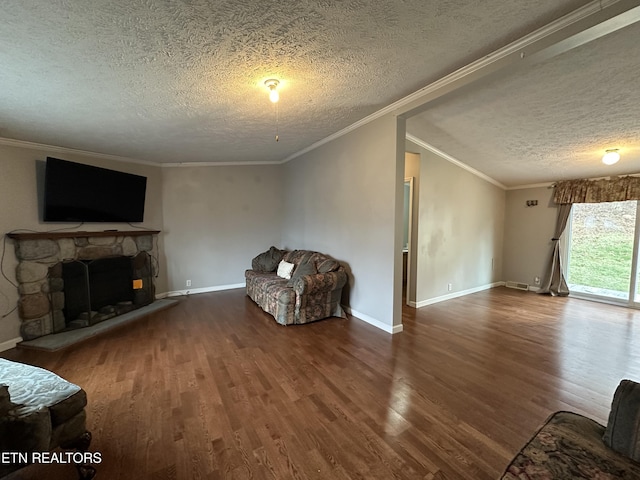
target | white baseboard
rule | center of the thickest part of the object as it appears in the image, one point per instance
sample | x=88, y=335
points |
x=453, y=295
x=9, y=344
x=372, y=321
x=193, y=291
x=366, y=318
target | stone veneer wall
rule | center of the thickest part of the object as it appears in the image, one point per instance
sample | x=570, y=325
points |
x=40, y=304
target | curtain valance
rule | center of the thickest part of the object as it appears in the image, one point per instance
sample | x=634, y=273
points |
x=596, y=191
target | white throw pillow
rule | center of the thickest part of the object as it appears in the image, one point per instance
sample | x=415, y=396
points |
x=285, y=269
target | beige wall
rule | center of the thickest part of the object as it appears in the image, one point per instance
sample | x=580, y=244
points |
x=216, y=219
x=341, y=200
x=19, y=210
x=528, y=234
x=460, y=230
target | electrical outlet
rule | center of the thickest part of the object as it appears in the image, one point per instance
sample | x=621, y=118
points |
x=536, y=280
x=449, y=286
x=188, y=283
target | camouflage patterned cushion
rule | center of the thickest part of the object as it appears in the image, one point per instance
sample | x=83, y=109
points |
x=307, y=266
x=328, y=265
x=623, y=428
x=267, y=261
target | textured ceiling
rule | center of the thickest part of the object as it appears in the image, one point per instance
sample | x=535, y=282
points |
x=181, y=81
x=552, y=121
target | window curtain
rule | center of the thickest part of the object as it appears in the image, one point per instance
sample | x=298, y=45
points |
x=567, y=193
x=597, y=191
x=554, y=282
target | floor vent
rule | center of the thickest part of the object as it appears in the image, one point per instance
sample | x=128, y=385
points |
x=519, y=286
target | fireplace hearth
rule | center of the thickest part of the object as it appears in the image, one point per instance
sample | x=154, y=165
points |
x=68, y=280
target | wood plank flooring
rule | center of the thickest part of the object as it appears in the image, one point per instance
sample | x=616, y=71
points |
x=214, y=389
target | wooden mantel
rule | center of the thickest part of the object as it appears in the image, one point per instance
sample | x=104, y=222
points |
x=54, y=235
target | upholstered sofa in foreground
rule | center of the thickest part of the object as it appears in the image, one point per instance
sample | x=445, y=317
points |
x=571, y=446
x=309, y=286
x=41, y=412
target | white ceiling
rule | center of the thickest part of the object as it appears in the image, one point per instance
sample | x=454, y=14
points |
x=551, y=121
x=181, y=81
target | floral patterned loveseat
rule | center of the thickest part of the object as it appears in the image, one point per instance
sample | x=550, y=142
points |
x=312, y=292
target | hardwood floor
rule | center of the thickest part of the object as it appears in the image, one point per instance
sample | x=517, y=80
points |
x=214, y=388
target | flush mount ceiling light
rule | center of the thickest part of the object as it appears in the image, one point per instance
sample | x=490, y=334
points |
x=611, y=156
x=272, y=85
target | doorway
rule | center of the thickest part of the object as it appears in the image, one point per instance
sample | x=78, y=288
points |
x=410, y=227
x=407, y=217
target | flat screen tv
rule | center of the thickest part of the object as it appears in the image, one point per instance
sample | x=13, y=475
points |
x=74, y=192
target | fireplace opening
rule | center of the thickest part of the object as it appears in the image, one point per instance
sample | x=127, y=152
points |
x=96, y=290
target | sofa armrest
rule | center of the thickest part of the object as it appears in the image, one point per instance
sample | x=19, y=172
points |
x=30, y=432
x=320, y=282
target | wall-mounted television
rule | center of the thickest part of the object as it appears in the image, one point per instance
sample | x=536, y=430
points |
x=75, y=192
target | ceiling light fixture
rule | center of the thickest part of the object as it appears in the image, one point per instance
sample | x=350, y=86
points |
x=274, y=96
x=272, y=85
x=611, y=156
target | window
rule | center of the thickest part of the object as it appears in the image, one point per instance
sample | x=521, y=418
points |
x=601, y=250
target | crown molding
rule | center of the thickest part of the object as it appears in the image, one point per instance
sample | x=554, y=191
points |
x=216, y=164
x=625, y=13
x=551, y=184
x=585, y=24
x=9, y=142
x=455, y=161
x=507, y=55
x=532, y=185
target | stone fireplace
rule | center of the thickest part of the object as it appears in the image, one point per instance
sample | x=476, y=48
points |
x=71, y=280
x=97, y=290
